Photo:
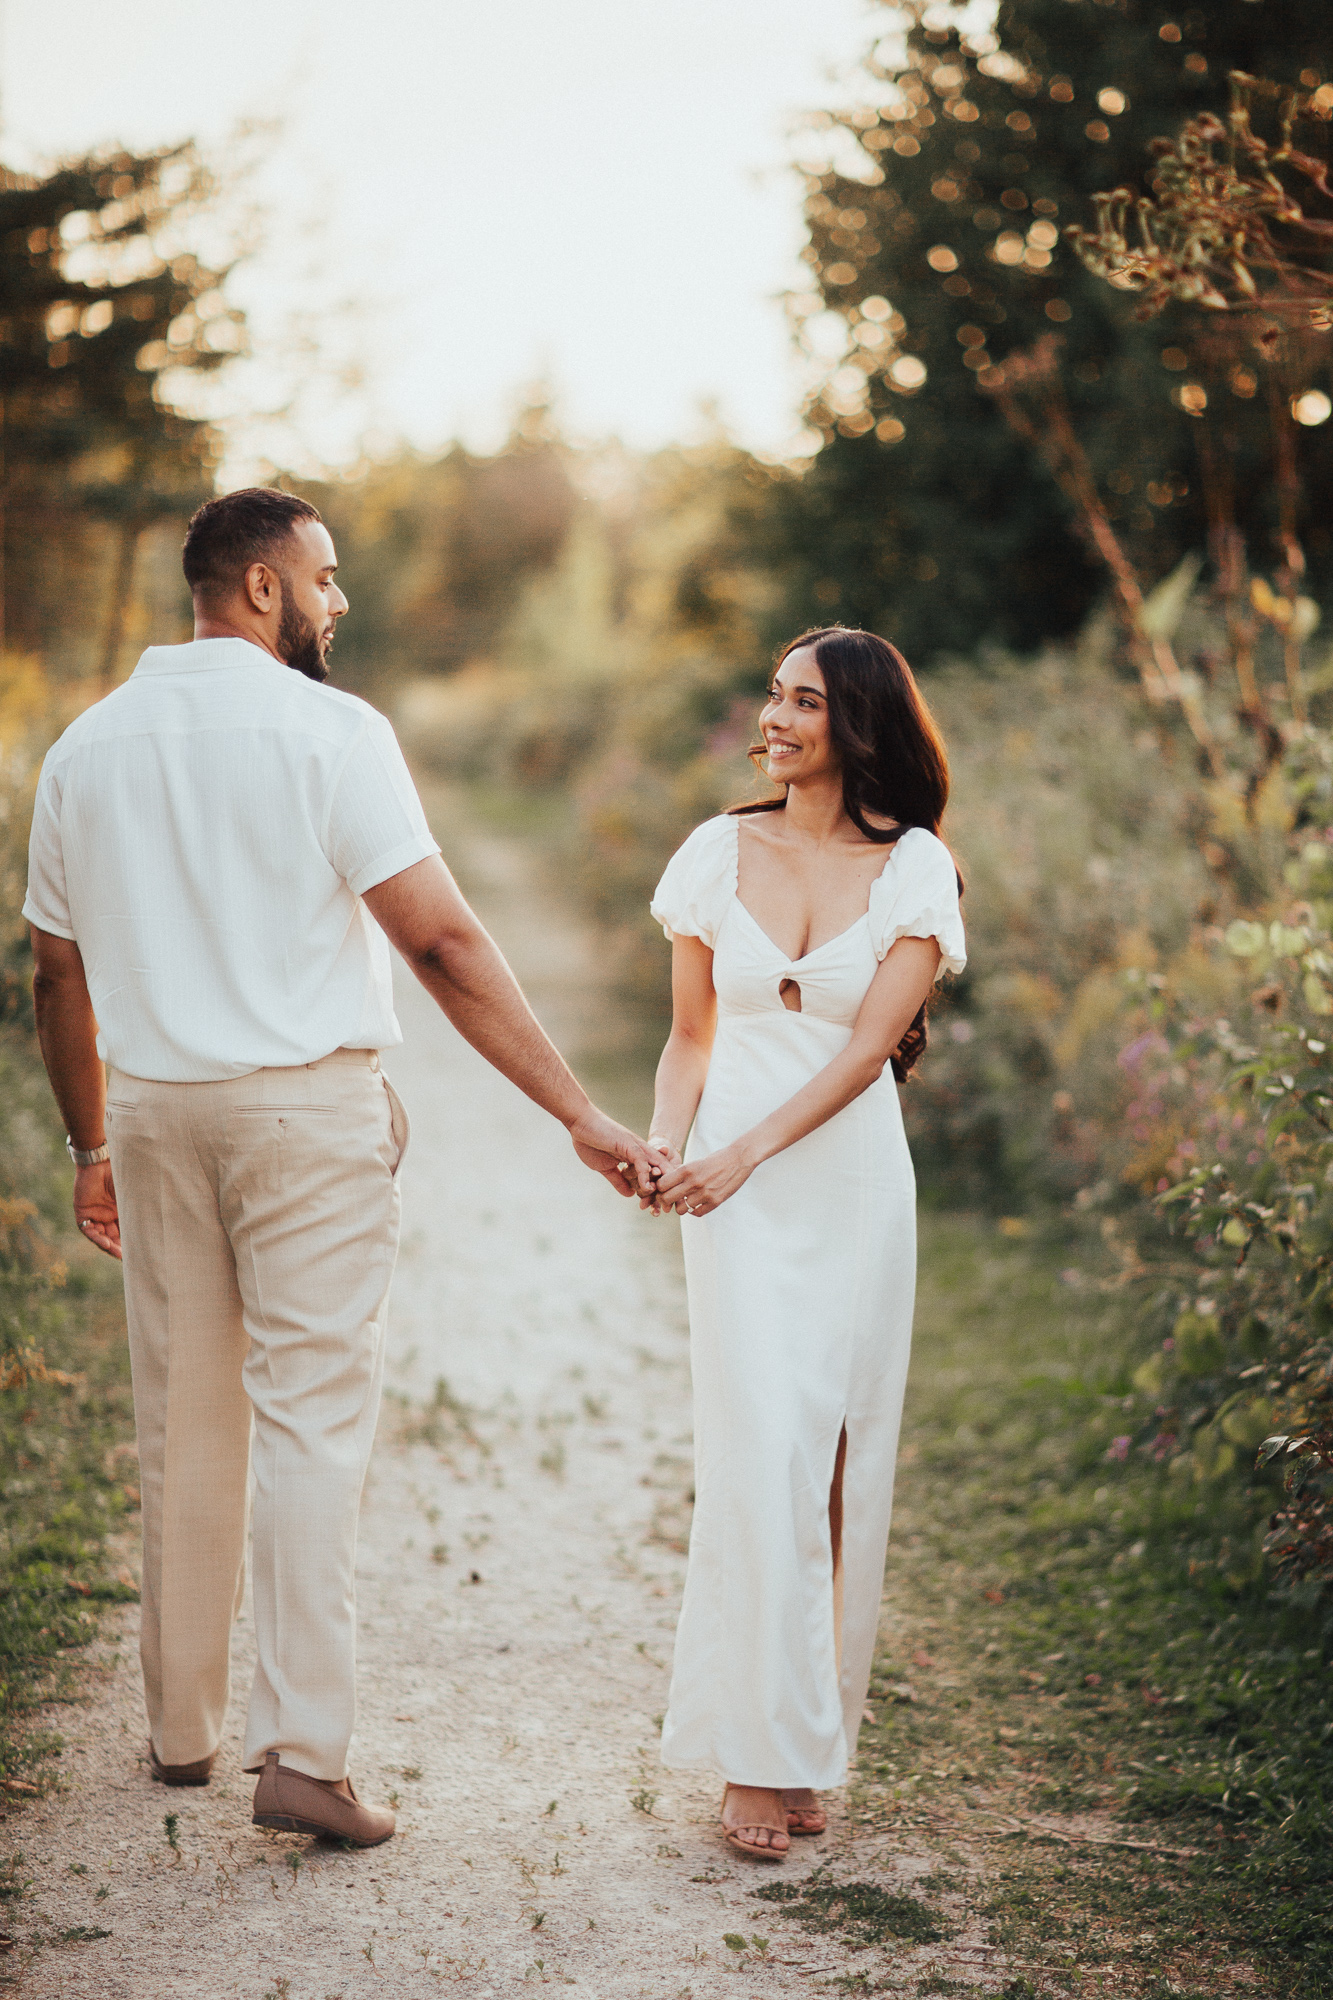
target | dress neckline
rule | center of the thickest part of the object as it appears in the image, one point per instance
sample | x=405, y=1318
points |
x=805, y=956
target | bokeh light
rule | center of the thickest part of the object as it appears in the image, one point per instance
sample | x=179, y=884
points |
x=1313, y=407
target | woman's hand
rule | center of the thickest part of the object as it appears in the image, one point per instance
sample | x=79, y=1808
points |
x=703, y=1185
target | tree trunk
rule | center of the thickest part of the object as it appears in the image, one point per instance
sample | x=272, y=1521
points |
x=122, y=585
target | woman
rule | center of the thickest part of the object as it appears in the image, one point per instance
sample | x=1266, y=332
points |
x=807, y=933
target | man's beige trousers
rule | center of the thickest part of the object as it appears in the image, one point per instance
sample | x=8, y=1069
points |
x=259, y=1220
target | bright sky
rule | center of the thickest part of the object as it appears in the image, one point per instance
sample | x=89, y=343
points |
x=464, y=198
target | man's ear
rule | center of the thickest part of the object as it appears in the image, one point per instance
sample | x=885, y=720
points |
x=261, y=587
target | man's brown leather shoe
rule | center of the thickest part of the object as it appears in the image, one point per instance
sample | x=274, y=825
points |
x=198, y=1773
x=294, y=1803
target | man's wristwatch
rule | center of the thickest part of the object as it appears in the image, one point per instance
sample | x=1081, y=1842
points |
x=88, y=1159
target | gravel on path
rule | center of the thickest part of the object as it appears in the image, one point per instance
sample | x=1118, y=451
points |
x=520, y=1565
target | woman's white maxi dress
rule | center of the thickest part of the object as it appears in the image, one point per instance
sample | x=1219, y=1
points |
x=800, y=1295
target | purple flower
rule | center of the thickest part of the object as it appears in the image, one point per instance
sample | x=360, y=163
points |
x=1118, y=1449
x=1132, y=1055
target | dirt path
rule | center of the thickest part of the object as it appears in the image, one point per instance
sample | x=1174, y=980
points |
x=518, y=1595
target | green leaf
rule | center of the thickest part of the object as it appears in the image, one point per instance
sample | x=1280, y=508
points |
x=1317, y=996
x=1245, y=940
x=1199, y=1348
x=1147, y=1377
x=1246, y=1423
x=1164, y=606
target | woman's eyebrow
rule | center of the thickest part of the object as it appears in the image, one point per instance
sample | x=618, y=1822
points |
x=818, y=692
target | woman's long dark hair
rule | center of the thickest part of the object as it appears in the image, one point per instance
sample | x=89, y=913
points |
x=889, y=750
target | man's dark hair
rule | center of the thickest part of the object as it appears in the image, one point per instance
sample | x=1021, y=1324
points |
x=228, y=534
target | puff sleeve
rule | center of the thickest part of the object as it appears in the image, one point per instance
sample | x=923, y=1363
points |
x=917, y=896
x=699, y=881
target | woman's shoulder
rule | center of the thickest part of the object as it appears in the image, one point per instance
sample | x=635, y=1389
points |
x=711, y=835
x=698, y=880
x=919, y=851
x=710, y=849
x=917, y=896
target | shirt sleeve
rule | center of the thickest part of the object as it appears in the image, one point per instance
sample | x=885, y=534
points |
x=691, y=898
x=917, y=896
x=374, y=826
x=47, y=902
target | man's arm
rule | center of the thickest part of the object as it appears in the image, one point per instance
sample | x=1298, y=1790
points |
x=423, y=912
x=67, y=1032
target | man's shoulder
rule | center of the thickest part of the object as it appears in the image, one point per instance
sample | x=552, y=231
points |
x=335, y=714
x=87, y=725
x=336, y=701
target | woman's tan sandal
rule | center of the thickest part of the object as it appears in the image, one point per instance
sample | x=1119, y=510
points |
x=805, y=1818
x=774, y=1847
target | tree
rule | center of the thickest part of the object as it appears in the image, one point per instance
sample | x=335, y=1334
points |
x=1229, y=238
x=102, y=305
x=435, y=552
x=939, y=241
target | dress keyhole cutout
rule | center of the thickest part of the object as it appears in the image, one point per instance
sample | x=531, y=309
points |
x=790, y=995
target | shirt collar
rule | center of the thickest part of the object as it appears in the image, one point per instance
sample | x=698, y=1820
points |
x=201, y=655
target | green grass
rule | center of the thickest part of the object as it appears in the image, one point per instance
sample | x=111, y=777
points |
x=68, y=1476
x=860, y=1912
x=1090, y=1645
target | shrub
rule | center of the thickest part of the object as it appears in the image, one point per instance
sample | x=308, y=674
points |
x=1245, y=1315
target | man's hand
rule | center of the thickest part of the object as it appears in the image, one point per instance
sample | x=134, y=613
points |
x=95, y=1207
x=607, y=1148
x=67, y=1032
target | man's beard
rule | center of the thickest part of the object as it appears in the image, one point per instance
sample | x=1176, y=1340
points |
x=300, y=644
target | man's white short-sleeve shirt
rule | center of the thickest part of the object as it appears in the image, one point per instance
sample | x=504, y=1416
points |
x=205, y=835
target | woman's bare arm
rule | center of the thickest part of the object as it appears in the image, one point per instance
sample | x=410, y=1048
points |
x=896, y=992
x=684, y=1064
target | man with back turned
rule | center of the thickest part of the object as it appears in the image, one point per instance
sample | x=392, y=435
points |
x=220, y=850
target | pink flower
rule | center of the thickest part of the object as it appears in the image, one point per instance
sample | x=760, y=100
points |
x=1118, y=1449
x=1133, y=1053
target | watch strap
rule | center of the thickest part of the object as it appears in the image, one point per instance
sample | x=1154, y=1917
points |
x=82, y=1158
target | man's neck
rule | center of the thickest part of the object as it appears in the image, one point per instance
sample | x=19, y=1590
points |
x=217, y=625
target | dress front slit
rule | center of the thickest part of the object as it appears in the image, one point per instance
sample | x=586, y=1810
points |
x=800, y=1296
x=835, y=1538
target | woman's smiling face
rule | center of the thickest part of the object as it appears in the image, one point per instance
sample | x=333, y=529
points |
x=795, y=721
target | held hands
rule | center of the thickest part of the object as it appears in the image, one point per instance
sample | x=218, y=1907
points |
x=666, y=1156
x=95, y=1208
x=654, y=1170
x=703, y=1185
